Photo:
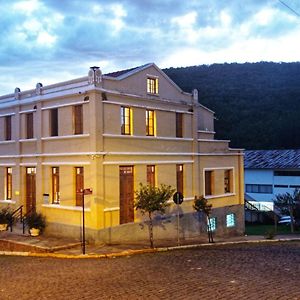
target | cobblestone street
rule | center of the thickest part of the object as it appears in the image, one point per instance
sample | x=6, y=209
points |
x=256, y=271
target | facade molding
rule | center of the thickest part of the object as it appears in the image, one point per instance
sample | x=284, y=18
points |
x=145, y=162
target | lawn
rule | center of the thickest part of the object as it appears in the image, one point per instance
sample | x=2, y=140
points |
x=261, y=229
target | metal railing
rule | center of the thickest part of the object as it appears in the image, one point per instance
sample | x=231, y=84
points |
x=17, y=214
x=29, y=212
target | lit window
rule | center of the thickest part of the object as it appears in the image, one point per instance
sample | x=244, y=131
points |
x=126, y=116
x=230, y=220
x=152, y=85
x=8, y=183
x=150, y=122
x=151, y=175
x=55, y=185
x=228, y=181
x=212, y=224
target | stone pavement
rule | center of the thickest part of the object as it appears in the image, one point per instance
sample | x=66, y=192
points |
x=264, y=271
x=16, y=243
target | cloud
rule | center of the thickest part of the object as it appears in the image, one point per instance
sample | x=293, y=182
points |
x=70, y=36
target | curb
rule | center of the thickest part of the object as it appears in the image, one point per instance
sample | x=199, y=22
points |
x=141, y=251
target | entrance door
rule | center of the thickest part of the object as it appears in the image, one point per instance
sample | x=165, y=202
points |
x=126, y=195
x=30, y=189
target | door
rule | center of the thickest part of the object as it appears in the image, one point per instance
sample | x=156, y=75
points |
x=30, y=189
x=126, y=195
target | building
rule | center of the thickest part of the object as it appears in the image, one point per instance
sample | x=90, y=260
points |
x=109, y=133
x=271, y=172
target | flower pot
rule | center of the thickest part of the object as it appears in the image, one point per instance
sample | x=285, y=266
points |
x=3, y=227
x=34, y=231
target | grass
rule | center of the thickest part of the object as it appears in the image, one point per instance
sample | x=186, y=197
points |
x=262, y=229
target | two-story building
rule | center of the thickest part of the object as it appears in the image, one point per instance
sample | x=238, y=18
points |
x=110, y=133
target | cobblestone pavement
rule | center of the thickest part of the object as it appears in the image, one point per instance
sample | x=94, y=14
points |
x=243, y=271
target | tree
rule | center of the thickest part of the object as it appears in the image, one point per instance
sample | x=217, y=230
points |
x=289, y=204
x=150, y=199
x=201, y=205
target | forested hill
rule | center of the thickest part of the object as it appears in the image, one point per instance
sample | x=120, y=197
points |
x=256, y=105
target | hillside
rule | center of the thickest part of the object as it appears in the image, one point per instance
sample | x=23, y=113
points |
x=257, y=105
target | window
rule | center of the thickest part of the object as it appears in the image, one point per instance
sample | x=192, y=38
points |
x=179, y=131
x=150, y=122
x=151, y=175
x=55, y=185
x=228, y=181
x=259, y=188
x=230, y=220
x=77, y=119
x=8, y=183
x=212, y=224
x=126, y=120
x=179, y=178
x=152, y=85
x=7, y=128
x=208, y=183
x=54, y=122
x=286, y=173
x=29, y=126
x=79, y=185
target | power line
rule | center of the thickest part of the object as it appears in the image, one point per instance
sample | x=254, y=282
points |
x=291, y=9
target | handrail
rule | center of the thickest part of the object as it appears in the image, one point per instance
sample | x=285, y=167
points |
x=18, y=210
x=250, y=206
x=32, y=209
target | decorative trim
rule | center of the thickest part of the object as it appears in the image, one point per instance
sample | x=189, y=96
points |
x=7, y=142
x=207, y=131
x=74, y=136
x=144, y=162
x=7, y=115
x=111, y=209
x=8, y=201
x=64, y=105
x=217, y=141
x=65, y=207
x=7, y=165
x=148, y=106
x=27, y=111
x=29, y=164
x=28, y=140
x=220, y=196
x=147, y=137
x=66, y=163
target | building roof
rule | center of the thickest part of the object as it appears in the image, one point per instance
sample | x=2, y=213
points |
x=272, y=159
x=127, y=71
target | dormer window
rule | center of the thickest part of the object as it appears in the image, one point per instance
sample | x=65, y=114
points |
x=152, y=85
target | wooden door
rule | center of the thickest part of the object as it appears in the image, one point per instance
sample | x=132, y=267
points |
x=79, y=182
x=30, y=189
x=126, y=195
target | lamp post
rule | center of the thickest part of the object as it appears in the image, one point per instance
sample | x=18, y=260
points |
x=84, y=192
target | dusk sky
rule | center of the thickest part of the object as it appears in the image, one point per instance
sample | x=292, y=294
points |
x=50, y=41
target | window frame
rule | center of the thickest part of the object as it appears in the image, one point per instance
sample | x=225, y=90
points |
x=212, y=224
x=228, y=181
x=78, y=119
x=53, y=115
x=230, y=220
x=55, y=185
x=126, y=120
x=208, y=182
x=179, y=125
x=8, y=128
x=151, y=175
x=179, y=178
x=150, y=122
x=29, y=126
x=8, y=184
x=152, y=85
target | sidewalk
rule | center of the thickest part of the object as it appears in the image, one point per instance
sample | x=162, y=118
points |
x=17, y=244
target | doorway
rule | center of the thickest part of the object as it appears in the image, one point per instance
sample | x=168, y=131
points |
x=30, y=189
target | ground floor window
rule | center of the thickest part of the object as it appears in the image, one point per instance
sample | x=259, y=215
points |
x=212, y=224
x=55, y=185
x=8, y=183
x=230, y=220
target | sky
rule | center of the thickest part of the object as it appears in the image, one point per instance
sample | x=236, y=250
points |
x=49, y=41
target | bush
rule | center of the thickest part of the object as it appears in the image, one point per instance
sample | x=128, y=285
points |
x=6, y=216
x=36, y=220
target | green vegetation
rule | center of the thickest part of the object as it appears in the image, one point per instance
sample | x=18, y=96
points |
x=256, y=104
x=261, y=229
x=150, y=199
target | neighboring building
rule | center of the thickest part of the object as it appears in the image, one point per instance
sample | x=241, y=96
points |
x=110, y=133
x=271, y=172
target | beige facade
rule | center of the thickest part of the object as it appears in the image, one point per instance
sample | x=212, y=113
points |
x=110, y=133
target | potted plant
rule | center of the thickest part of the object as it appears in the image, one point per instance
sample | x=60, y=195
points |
x=36, y=223
x=6, y=218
